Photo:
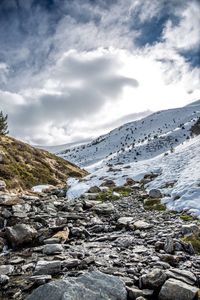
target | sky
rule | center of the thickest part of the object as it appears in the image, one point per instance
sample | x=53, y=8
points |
x=71, y=70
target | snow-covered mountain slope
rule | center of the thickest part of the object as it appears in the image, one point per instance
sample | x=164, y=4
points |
x=60, y=148
x=135, y=141
x=163, y=145
x=178, y=176
x=113, y=124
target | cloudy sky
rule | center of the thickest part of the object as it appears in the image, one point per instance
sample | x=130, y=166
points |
x=73, y=69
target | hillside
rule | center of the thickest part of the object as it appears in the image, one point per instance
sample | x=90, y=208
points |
x=22, y=166
x=165, y=144
x=135, y=141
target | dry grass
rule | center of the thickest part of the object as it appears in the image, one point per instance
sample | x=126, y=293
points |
x=24, y=166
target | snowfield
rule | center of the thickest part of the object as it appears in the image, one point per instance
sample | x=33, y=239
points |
x=138, y=140
x=162, y=145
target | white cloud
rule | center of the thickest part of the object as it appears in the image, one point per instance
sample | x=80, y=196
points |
x=185, y=35
x=85, y=91
x=77, y=82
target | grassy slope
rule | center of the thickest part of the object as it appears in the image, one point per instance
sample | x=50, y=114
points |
x=24, y=166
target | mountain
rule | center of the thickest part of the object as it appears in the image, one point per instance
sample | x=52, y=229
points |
x=138, y=140
x=60, y=148
x=22, y=166
x=113, y=124
x=165, y=144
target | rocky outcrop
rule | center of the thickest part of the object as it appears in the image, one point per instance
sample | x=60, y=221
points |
x=51, y=243
x=90, y=286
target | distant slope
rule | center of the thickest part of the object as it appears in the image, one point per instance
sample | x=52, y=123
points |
x=24, y=166
x=113, y=124
x=59, y=148
x=139, y=140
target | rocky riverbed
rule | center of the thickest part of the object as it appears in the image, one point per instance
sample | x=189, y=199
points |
x=120, y=246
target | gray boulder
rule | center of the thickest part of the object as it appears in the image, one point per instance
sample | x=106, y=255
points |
x=90, y=286
x=20, y=234
x=169, y=245
x=105, y=208
x=4, y=279
x=183, y=275
x=142, y=225
x=154, y=279
x=154, y=193
x=94, y=189
x=124, y=221
x=176, y=289
x=6, y=269
x=188, y=229
x=51, y=249
x=44, y=267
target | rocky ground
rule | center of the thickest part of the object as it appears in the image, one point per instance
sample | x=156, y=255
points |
x=70, y=249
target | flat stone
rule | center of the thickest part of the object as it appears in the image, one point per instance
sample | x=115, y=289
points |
x=70, y=263
x=21, y=208
x=91, y=196
x=142, y=225
x=176, y=289
x=90, y=286
x=183, y=275
x=17, y=260
x=134, y=292
x=91, y=203
x=51, y=249
x=10, y=200
x=104, y=208
x=125, y=241
x=124, y=221
x=47, y=267
x=30, y=198
x=21, y=215
x=6, y=269
x=140, y=249
x=52, y=240
x=40, y=279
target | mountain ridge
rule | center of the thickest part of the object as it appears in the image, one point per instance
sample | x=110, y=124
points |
x=165, y=144
x=130, y=141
